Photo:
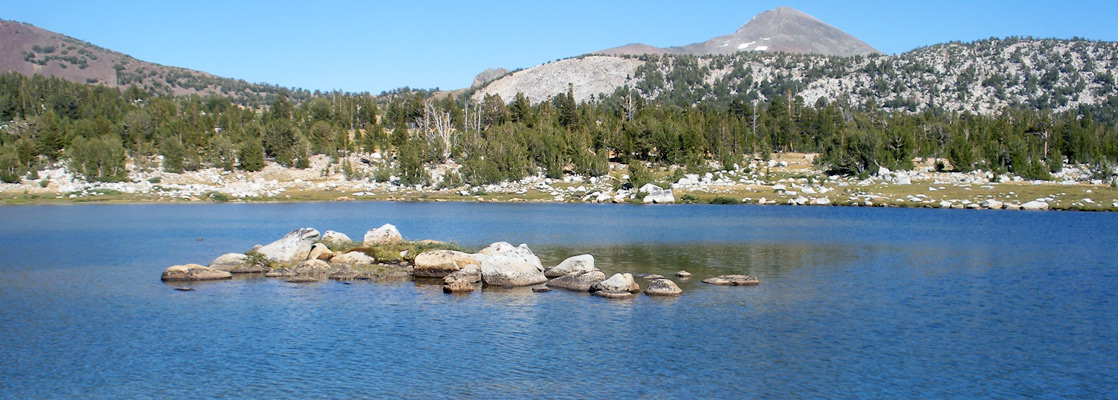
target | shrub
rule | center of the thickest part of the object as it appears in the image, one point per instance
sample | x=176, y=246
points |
x=219, y=197
x=639, y=174
x=724, y=200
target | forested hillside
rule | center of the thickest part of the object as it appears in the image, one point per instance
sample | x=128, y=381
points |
x=97, y=129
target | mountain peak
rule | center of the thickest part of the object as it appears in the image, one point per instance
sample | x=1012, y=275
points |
x=783, y=29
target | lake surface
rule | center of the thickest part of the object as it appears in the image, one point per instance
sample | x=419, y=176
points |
x=853, y=303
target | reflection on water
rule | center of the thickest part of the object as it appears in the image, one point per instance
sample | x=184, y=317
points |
x=853, y=303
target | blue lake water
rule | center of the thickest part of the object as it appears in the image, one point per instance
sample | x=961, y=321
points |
x=853, y=303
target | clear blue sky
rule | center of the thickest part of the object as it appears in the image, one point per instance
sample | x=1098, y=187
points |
x=373, y=46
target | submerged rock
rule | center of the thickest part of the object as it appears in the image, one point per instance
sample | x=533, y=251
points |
x=193, y=272
x=733, y=280
x=440, y=263
x=291, y=247
x=610, y=294
x=280, y=273
x=572, y=265
x=683, y=274
x=505, y=265
x=386, y=234
x=578, y=282
x=663, y=287
x=302, y=279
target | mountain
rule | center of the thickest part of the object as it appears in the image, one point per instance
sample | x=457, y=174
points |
x=29, y=50
x=783, y=29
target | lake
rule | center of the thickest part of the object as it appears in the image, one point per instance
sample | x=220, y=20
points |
x=853, y=303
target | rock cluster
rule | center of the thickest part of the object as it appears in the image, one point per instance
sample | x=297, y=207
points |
x=303, y=256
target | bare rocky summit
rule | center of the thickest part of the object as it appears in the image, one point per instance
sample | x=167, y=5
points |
x=590, y=75
x=488, y=75
x=783, y=29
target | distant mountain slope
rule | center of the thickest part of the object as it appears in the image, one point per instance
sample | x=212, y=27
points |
x=590, y=75
x=29, y=50
x=782, y=29
x=983, y=77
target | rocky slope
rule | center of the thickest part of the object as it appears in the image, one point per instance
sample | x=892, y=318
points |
x=983, y=77
x=783, y=29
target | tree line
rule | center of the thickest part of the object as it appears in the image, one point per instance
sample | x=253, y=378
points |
x=97, y=129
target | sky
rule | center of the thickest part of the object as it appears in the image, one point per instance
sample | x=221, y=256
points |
x=374, y=46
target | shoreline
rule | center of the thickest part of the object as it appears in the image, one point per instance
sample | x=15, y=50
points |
x=787, y=179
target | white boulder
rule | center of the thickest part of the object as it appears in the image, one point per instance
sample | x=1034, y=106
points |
x=386, y=234
x=572, y=265
x=505, y=265
x=291, y=247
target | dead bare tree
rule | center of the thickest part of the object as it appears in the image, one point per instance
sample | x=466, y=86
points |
x=440, y=120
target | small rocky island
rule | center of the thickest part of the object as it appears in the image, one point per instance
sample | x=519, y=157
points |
x=304, y=255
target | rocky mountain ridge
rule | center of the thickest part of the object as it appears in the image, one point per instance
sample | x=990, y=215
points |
x=982, y=77
x=28, y=49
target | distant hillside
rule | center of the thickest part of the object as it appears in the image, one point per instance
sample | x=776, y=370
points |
x=782, y=29
x=29, y=50
x=983, y=77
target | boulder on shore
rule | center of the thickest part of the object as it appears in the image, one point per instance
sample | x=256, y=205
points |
x=440, y=263
x=386, y=234
x=335, y=239
x=463, y=280
x=578, y=281
x=663, y=287
x=193, y=272
x=1035, y=205
x=572, y=265
x=505, y=265
x=992, y=204
x=657, y=195
x=733, y=280
x=291, y=247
